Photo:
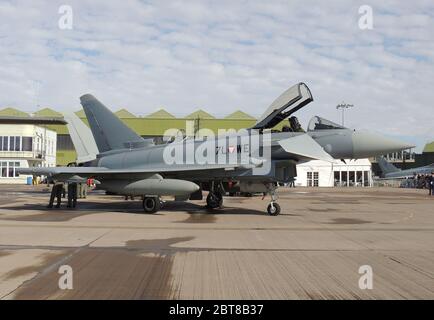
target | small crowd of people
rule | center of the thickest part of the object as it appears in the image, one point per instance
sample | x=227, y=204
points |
x=70, y=190
x=421, y=181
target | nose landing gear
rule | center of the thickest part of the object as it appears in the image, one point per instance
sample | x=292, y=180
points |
x=273, y=208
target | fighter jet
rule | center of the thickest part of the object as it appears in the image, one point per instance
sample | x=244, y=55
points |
x=254, y=160
x=392, y=172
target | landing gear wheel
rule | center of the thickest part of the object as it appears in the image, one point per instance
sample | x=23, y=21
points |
x=214, y=200
x=151, y=204
x=273, y=209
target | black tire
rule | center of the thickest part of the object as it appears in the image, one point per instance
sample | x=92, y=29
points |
x=273, y=210
x=151, y=204
x=214, y=200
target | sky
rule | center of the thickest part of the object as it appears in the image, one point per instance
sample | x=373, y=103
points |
x=224, y=55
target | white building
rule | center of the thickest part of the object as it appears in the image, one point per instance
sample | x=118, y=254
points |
x=318, y=173
x=24, y=145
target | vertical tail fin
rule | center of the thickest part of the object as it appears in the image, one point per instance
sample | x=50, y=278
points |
x=386, y=167
x=109, y=132
x=81, y=137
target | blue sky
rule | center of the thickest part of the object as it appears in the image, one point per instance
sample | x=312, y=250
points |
x=225, y=55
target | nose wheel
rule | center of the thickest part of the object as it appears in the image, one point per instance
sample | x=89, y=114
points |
x=273, y=209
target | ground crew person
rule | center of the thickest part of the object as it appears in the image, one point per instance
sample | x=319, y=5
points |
x=72, y=195
x=56, y=192
x=64, y=190
x=431, y=184
x=83, y=190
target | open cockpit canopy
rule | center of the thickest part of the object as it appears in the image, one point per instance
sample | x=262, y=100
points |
x=318, y=123
x=286, y=104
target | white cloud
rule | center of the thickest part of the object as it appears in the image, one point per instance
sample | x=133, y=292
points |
x=222, y=55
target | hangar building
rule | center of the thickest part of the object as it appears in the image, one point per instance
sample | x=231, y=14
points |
x=25, y=142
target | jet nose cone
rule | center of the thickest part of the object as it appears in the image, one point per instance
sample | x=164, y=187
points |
x=366, y=144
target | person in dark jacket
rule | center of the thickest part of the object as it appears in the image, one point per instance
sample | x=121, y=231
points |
x=56, y=193
x=431, y=184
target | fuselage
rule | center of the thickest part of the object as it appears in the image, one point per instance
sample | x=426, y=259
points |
x=402, y=174
x=244, y=151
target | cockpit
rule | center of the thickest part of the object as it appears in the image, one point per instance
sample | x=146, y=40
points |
x=318, y=123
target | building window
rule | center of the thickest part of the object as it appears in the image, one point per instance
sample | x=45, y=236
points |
x=11, y=143
x=351, y=178
x=337, y=179
x=17, y=165
x=17, y=143
x=11, y=169
x=8, y=169
x=4, y=169
x=359, y=182
x=5, y=146
x=27, y=144
x=64, y=142
x=316, y=179
x=313, y=179
x=14, y=143
x=366, y=178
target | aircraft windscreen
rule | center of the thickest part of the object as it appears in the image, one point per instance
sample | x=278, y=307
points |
x=318, y=123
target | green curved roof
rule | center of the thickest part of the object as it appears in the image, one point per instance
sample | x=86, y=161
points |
x=239, y=115
x=47, y=112
x=123, y=113
x=429, y=147
x=200, y=114
x=12, y=112
x=161, y=113
x=80, y=113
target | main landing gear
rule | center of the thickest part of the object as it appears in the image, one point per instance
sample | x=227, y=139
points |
x=214, y=199
x=152, y=204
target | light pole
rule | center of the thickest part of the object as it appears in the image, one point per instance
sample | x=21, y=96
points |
x=344, y=106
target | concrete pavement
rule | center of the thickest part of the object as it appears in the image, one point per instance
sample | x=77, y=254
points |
x=313, y=250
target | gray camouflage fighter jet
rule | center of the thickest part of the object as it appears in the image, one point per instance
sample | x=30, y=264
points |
x=392, y=172
x=254, y=160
